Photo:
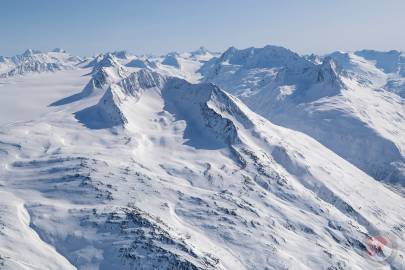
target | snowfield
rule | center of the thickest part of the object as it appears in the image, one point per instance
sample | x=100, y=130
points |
x=253, y=159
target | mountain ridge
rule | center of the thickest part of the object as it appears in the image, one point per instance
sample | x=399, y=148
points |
x=159, y=167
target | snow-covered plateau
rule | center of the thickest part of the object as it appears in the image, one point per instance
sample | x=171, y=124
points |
x=256, y=158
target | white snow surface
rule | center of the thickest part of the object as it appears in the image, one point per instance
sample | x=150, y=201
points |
x=32, y=61
x=349, y=103
x=131, y=162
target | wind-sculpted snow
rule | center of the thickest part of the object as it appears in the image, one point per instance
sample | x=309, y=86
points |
x=151, y=171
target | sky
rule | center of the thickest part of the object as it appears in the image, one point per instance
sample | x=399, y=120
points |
x=87, y=27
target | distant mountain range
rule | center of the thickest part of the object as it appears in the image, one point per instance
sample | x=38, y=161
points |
x=258, y=158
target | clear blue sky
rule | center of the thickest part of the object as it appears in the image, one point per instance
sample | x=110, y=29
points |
x=85, y=27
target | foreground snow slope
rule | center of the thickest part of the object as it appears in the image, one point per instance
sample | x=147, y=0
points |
x=148, y=171
x=345, y=101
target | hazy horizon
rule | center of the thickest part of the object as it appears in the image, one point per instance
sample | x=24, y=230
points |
x=157, y=27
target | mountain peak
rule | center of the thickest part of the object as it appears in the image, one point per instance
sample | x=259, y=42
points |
x=171, y=60
x=200, y=51
x=121, y=54
x=59, y=50
x=34, y=61
x=329, y=72
x=313, y=58
x=228, y=53
x=106, y=70
x=108, y=60
x=329, y=63
x=142, y=79
x=30, y=52
x=269, y=56
x=149, y=169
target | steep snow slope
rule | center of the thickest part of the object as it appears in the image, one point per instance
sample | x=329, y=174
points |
x=393, y=64
x=362, y=70
x=183, y=176
x=381, y=69
x=390, y=62
x=341, y=105
x=15, y=231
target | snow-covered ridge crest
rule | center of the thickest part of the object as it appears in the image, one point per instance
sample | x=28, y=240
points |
x=267, y=57
x=204, y=106
x=359, y=69
x=130, y=87
x=375, y=69
x=143, y=79
x=328, y=74
x=390, y=62
x=337, y=100
x=122, y=54
x=171, y=60
x=141, y=63
x=107, y=60
x=184, y=176
x=35, y=66
x=108, y=70
x=258, y=71
x=330, y=71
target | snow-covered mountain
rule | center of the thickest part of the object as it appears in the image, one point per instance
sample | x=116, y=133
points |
x=343, y=102
x=33, y=61
x=156, y=167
